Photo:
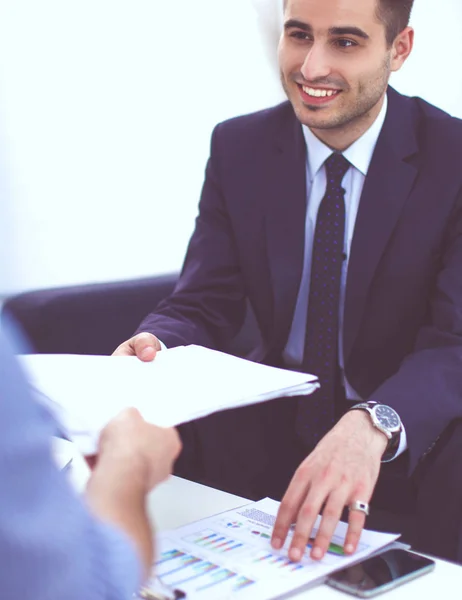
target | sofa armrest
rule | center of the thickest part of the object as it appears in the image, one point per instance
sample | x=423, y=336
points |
x=86, y=319
x=96, y=318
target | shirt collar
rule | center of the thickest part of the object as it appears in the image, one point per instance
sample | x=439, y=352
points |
x=358, y=154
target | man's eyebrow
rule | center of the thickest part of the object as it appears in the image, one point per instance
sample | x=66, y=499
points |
x=344, y=30
x=298, y=24
x=347, y=30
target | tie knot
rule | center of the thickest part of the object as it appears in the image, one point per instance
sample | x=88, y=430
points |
x=336, y=167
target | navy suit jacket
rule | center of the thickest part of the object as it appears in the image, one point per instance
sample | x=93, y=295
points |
x=403, y=308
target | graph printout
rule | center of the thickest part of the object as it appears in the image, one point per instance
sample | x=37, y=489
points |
x=230, y=556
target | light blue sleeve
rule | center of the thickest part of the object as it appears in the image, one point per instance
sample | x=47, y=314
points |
x=51, y=548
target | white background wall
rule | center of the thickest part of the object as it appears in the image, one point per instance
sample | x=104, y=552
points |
x=106, y=110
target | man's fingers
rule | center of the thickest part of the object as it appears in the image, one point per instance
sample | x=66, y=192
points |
x=306, y=519
x=331, y=515
x=288, y=510
x=356, y=521
x=125, y=349
x=144, y=346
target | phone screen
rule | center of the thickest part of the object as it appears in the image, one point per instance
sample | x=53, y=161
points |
x=378, y=573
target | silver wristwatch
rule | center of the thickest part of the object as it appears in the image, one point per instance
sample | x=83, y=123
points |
x=386, y=420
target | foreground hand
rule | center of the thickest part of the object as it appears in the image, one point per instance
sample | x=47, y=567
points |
x=144, y=345
x=133, y=457
x=343, y=467
x=130, y=445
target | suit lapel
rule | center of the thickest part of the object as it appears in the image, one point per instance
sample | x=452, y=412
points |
x=388, y=184
x=285, y=208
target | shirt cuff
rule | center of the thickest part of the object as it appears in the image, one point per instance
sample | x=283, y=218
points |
x=402, y=447
x=162, y=345
x=402, y=443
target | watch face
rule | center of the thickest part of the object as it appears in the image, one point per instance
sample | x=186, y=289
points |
x=387, y=417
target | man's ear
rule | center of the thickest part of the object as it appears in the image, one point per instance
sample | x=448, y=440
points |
x=402, y=48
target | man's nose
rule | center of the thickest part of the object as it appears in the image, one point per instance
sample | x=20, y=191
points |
x=316, y=64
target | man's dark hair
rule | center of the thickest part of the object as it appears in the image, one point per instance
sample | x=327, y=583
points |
x=395, y=15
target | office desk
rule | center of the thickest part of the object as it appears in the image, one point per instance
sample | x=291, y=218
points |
x=178, y=501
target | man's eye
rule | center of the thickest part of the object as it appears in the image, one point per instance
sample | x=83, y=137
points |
x=300, y=35
x=343, y=43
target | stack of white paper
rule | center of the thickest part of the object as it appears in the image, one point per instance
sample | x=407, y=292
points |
x=181, y=384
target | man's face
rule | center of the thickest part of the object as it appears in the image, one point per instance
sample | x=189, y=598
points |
x=334, y=61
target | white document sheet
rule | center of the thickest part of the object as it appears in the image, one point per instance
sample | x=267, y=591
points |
x=230, y=556
x=181, y=384
x=63, y=453
x=69, y=460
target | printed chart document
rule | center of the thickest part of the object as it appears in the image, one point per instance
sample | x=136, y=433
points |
x=181, y=384
x=229, y=556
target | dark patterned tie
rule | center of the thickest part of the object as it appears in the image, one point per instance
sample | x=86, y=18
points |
x=316, y=413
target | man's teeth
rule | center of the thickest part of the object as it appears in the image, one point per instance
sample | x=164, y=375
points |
x=318, y=93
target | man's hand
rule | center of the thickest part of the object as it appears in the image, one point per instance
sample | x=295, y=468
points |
x=343, y=467
x=147, y=450
x=144, y=345
x=133, y=457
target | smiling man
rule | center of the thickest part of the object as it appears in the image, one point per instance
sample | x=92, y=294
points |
x=336, y=60
x=338, y=217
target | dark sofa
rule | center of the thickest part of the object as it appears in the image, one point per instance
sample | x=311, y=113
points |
x=95, y=318
x=86, y=319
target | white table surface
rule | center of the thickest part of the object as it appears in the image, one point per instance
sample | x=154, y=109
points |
x=178, y=501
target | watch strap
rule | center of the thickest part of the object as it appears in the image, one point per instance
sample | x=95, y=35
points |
x=393, y=442
x=392, y=446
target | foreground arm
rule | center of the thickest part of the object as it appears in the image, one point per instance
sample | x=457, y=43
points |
x=133, y=457
x=51, y=546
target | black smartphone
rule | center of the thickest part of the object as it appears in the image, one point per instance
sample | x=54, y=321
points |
x=380, y=573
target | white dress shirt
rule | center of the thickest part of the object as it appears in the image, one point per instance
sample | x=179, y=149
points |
x=359, y=155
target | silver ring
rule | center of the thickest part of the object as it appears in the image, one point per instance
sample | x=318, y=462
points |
x=360, y=506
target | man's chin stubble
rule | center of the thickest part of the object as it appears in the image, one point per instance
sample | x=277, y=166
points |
x=314, y=108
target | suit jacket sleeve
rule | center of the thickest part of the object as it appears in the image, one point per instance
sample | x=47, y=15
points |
x=426, y=390
x=208, y=305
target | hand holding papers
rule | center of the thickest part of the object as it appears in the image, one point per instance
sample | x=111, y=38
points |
x=181, y=384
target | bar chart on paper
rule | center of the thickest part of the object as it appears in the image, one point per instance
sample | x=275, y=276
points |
x=230, y=555
x=186, y=571
x=215, y=542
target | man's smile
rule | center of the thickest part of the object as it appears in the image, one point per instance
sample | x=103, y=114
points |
x=317, y=95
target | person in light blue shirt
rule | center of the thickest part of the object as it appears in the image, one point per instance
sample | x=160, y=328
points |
x=52, y=544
